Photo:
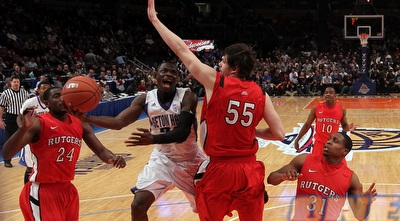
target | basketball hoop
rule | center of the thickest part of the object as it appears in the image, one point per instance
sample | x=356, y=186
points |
x=364, y=39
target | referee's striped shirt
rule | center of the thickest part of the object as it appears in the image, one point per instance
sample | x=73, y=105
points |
x=12, y=100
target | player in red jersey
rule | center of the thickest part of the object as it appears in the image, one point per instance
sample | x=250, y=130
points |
x=55, y=139
x=328, y=116
x=323, y=182
x=233, y=107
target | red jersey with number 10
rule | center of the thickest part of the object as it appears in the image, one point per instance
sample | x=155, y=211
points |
x=328, y=120
x=229, y=119
x=57, y=151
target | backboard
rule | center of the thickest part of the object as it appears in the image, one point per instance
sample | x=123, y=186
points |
x=367, y=24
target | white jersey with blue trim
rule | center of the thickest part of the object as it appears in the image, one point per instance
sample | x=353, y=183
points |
x=40, y=108
x=165, y=118
x=34, y=102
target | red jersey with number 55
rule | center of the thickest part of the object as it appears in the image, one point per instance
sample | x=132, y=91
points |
x=328, y=120
x=229, y=119
x=57, y=151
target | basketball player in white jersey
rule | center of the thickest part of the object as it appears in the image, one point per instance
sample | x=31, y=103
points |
x=36, y=103
x=176, y=155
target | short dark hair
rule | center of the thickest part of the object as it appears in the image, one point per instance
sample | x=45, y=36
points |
x=43, y=82
x=241, y=56
x=47, y=93
x=348, y=143
x=169, y=65
x=15, y=77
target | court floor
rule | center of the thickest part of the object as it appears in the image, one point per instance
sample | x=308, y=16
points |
x=105, y=192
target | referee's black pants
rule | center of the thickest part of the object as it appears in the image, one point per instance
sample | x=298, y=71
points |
x=11, y=127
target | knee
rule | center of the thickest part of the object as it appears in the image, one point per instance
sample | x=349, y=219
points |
x=137, y=207
x=141, y=204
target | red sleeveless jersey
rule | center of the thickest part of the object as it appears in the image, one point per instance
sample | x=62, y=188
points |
x=321, y=191
x=229, y=119
x=57, y=151
x=328, y=120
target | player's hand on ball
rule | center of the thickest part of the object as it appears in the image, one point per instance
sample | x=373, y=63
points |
x=77, y=113
x=143, y=137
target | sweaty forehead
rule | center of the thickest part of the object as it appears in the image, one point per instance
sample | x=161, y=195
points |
x=168, y=68
x=55, y=91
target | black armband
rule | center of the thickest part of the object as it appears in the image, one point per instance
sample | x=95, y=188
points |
x=180, y=133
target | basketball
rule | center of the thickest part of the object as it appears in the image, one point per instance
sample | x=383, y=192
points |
x=82, y=92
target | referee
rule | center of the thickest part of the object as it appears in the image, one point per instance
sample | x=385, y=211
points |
x=11, y=101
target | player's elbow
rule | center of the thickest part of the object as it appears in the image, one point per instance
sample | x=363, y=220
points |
x=281, y=135
x=182, y=137
x=271, y=180
x=6, y=154
x=360, y=216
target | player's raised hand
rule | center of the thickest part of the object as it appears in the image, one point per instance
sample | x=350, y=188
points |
x=151, y=10
x=352, y=127
x=369, y=195
x=143, y=137
x=27, y=118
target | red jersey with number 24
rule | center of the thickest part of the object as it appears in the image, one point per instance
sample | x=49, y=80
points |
x=57, y=151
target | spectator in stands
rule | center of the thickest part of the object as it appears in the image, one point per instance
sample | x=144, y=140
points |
x=2, y=75
x=391, y=78
x=42, y=77
x=142, y=86
x=347, y=84
x=290, y=85
x=31, y=64
x=65, y=69
x=17, y=72
x=269, y=88
x=302, y=86
x=131, y=89
x=280, y=88
x=336, y=80
x=326, y=80
x=91, y=74
x=107, y=94
x=90, y=59
x=397, y=83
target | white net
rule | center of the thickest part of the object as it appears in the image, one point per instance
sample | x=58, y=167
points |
x=364, y=39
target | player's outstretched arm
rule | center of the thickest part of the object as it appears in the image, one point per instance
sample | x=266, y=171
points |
x=305, y=127
x=345, y=125
x=275, y=129
x=289, y=172
x=28, y=131
x=123, y=119
x=203, y=73
x=99, y=149
x=179, y=134
x=359, y=201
